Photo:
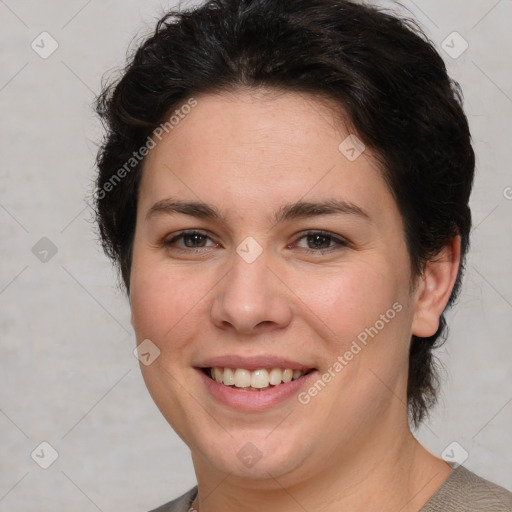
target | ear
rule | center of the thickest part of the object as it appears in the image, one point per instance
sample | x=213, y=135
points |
x=434, y=289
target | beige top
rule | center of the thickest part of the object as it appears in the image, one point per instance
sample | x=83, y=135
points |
x=462, y=491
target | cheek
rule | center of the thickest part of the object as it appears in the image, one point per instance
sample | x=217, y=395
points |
x=348, y=300
x=167, y=302
x=365, y=321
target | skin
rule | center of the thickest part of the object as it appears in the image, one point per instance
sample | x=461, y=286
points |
x=350, y=448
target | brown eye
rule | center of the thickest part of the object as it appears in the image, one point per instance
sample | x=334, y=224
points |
x=320, y=241
x=190, y=239
x=194, y=240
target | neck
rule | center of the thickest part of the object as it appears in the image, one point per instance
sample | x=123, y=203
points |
x=377, y=476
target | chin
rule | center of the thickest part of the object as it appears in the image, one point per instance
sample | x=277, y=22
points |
x=253, y=456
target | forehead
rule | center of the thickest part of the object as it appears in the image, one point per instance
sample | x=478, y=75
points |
x=257, y=121
x=258, y=148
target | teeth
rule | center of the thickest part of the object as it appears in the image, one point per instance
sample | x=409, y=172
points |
x=242, y=378
x=287, y=375
x=257, y=379
x=276, y=376
x=296, y=374
x=217, y=375
x=228, y=377
x=260, y=379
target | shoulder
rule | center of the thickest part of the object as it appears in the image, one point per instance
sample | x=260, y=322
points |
x=180, y=504
x=463, y=491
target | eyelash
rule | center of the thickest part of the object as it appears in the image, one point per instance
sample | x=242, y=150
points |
x=340, y=242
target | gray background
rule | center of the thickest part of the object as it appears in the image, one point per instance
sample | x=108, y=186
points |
x=68, y=375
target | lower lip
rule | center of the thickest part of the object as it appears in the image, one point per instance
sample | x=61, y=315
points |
x=251, y=401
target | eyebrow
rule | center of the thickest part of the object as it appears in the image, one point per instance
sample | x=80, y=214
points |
x=287, y=212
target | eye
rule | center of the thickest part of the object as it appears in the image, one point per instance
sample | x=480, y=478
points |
x=322, y=241
x=191, y=240
x=316, y=241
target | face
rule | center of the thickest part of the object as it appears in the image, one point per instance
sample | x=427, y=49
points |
x=293, y=258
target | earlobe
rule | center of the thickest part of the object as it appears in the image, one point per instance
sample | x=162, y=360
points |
x=434, y=289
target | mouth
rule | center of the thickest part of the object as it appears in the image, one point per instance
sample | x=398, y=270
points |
x=262, y=379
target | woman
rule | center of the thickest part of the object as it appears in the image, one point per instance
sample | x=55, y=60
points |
x=284, y=186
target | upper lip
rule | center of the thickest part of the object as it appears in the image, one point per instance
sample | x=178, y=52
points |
x=252, y=362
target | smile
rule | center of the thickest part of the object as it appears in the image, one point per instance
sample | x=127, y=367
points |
x=257, y=380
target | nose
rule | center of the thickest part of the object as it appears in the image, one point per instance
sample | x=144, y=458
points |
x=251, y=298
